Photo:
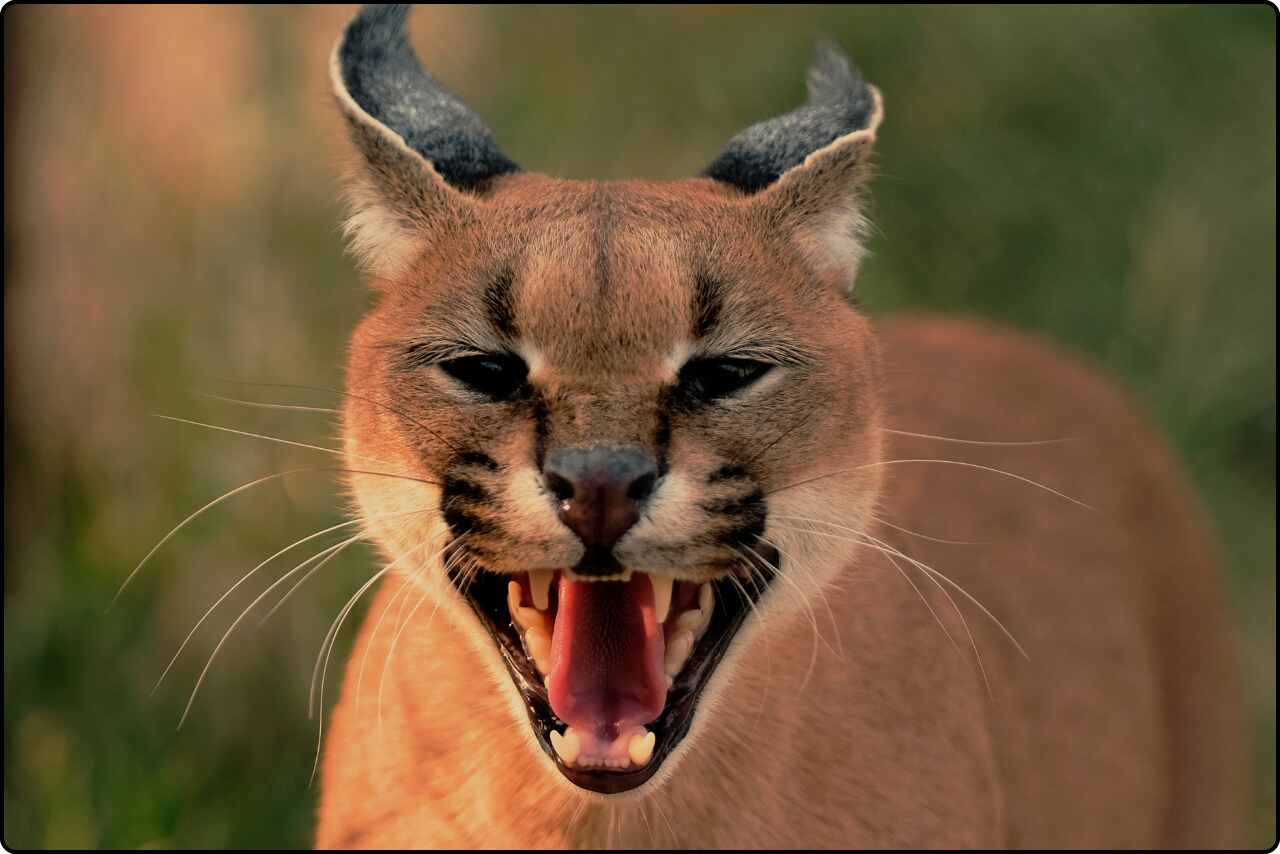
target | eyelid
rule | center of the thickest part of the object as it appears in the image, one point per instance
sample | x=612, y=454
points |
x=424, y=354
x=778, y=353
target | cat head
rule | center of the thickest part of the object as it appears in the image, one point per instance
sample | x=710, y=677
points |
x=594, y=417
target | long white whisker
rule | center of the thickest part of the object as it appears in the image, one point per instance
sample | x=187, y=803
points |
x=807, y=609
x=923, y=599
x=337, y=626
x=235, y=587
x=818, y=587
x=178, y=527
x=977, y=442
x=331, y=635
x=335, y=451
x=330, y=551
x=882, y=521
x=364, y=659
x=261, y=405
x=310, y=572
x=1000, y=472
x=241, y=488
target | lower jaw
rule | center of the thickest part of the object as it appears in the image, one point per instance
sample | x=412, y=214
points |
x=486, y=598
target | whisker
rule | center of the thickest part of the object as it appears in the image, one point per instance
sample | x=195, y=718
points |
x=332, y=550
x=263, y=436
x=797, y=424
x=454, y=558
x=245, y=578
x=342, y=616
x=303, y=580
x=977, y=442
x=887, y=524
x=261, y=405
x=364, y=659
x=353, y=396
x=176, y=528
x=964, y=621
x=807, y=609
x=331, y=635
x=242, y=488
x=1001, y=472
x=818, y=587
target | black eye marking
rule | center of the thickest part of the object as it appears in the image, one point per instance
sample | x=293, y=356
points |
x=498, y=376
x=705, y=380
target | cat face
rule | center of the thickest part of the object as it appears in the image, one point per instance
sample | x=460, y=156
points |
x=591, y=418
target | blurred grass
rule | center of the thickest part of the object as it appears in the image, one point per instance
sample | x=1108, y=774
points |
x=1106, y=176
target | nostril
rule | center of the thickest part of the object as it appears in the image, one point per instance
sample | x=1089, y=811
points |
x=560, y=486
x=642, y=487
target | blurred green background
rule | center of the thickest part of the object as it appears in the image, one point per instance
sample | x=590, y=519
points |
x=1106, y=176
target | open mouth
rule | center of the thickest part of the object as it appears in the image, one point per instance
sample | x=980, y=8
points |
x=611, y=670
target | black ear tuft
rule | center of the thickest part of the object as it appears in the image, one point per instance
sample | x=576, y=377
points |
x=840, y=103
x=378, y=69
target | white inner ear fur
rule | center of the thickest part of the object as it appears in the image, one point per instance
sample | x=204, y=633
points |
x=382, y=243
x=834, y=243
x=833, y=231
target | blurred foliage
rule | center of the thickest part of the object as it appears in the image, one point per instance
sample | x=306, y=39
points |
x=1106, y=176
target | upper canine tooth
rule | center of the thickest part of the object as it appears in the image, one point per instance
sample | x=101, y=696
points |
x=641, y=748
x=705, y=598
x=540, y=587
x=661, y=595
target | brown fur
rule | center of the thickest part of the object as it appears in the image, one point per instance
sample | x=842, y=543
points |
x=844, y=716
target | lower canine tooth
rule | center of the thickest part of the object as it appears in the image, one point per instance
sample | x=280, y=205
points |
x=641, y=748
x=567, y=745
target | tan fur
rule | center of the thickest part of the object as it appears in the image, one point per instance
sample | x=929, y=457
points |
x=844, y=716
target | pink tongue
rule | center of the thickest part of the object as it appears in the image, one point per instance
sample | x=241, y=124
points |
x=606, y=656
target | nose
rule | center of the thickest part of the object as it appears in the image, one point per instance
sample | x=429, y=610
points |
x=600, y=490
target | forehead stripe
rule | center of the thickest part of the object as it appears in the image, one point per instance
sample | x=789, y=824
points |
x=499, y=304
x=707, y=299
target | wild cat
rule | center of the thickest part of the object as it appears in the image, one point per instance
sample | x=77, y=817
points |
x=683, y=550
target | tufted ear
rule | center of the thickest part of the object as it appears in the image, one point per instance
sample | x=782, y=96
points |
x=806, y=170
x=425, y=156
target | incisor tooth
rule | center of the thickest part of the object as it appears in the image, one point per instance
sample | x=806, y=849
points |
x=567, y=745
x=540, y=587
x=641, y=748
x=678, y=648
x=661, y=595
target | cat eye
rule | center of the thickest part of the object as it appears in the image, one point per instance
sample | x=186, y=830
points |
x=710, y=379
x=495, y=375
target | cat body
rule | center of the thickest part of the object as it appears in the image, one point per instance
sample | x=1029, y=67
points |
x=684, y=551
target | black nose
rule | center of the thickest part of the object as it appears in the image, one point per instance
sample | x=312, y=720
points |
x=600, y=491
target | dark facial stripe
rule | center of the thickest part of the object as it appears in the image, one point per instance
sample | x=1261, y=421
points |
x=475, y=458
x=541, y=428
x=707, y=300
x=499, y=304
